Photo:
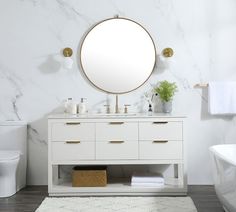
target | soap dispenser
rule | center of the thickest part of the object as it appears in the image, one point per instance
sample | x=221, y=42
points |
x=150, y=109
x=82, y=106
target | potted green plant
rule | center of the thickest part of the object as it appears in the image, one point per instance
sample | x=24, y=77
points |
x=166, y=91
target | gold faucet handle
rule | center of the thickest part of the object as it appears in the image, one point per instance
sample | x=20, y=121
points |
x=108, y=110
x=126, y=108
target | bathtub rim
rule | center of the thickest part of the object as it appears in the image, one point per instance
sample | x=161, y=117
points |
x=222, y=156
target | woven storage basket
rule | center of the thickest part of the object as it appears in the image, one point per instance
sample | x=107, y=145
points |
x=89, y=176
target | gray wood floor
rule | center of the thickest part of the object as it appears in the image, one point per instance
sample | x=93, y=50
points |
x=30, y=198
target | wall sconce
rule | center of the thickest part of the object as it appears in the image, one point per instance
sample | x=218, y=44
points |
x=163, y=59
x=68, y=62
x=167, y=52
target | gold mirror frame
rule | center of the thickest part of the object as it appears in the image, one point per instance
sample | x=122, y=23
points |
x=81, y=64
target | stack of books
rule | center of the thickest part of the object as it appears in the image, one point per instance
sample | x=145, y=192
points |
x=147, y=179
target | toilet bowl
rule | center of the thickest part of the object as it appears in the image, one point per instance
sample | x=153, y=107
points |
x=8, y=168
x=13, y=140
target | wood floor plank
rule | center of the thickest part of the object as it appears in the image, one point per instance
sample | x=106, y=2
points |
x=29, y=199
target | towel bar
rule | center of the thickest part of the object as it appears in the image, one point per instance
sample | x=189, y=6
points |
x=201, y=85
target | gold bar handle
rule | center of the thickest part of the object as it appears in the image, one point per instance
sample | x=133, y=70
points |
x=114, y=123
x=116, y=142
x=73, y=142
x=160, y=141
x=160, y=122
x=72, y=123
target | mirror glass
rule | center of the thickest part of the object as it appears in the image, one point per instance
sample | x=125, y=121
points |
x=117, y=55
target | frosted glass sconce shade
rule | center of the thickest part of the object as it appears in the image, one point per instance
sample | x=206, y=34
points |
x=68, y=62
x=164, y=59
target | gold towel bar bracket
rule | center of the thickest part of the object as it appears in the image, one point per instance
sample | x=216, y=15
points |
x=201, y=85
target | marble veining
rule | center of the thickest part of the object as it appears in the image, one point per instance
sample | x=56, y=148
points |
x=14, y=82
x=72, y=13
x=33, y=82
x=34, y=136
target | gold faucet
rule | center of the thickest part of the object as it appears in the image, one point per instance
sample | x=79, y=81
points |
x=117, y=105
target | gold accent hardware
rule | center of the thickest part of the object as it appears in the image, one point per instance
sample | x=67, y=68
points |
x=167, y=52
x=160, y=122
x=126, y=108
x=116, y=142
x=72, y=123
x=114, y=123
x=117, y=105
x=201, y=85
x=67, y=52
x=160, y=141
x=72, y=142
x=81, y=63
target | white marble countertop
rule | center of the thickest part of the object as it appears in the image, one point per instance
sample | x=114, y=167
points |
x=119, y=115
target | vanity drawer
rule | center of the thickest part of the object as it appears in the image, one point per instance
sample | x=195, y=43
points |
x=116, y=130
x=73, y=131
x=73, y=150
x=116, y=150
x=160, y=149
x=160, y=130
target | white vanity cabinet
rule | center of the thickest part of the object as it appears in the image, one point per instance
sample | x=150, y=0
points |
x=116, y=140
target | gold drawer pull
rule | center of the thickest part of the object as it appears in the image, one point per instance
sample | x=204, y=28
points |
x=116, y=123
x=72, y=123
x=160, y=141
x=72, y=142
x=160, y=122
x=116, y=142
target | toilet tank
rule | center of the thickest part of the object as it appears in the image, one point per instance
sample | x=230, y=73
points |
x=13, y=136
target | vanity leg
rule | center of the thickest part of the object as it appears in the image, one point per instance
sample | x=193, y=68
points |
x=58, y=172
x=181, y=174
x=175, y=170
x=50, y=181
x=55, y=173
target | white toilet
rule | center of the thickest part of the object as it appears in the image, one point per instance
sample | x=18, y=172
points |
x=13, y=137
x=8, y=166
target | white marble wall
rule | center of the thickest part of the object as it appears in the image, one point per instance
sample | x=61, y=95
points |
x=33, y=83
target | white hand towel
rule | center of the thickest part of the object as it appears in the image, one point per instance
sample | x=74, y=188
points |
x=222, y=98
x=148, y=184
x=147, y=177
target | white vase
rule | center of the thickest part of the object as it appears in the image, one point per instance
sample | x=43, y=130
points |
x=167, y=107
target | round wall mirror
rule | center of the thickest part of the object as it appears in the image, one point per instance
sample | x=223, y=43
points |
x=118, y=55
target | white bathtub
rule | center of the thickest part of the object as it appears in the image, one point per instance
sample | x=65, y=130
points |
x=224, y=166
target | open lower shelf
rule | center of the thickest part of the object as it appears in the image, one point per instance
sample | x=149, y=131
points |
x=117, y=187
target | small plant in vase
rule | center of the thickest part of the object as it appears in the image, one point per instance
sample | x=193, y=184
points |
x=166, y=91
